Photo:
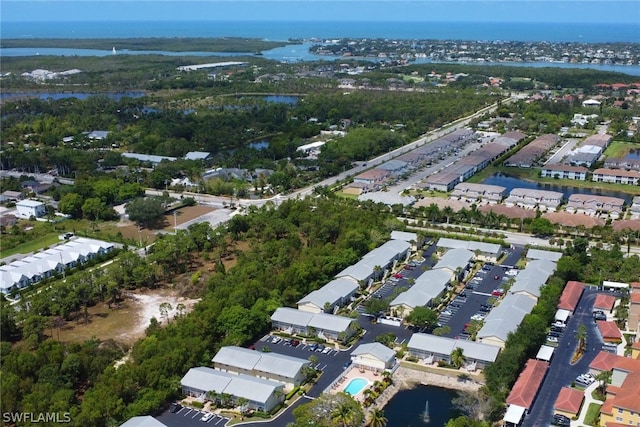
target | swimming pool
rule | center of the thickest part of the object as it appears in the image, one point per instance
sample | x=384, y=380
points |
x=355, y=386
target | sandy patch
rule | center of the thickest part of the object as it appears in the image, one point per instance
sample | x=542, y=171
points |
x=456, y=205
x=147, y=306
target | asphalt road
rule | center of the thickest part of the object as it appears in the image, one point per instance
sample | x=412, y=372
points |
x=561, y=372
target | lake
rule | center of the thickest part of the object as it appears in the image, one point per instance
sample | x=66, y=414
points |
x=405, y=409
x=80, y=95
x=511, y=182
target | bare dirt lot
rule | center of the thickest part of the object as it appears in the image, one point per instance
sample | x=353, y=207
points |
x=127, y=323
x=130, y=230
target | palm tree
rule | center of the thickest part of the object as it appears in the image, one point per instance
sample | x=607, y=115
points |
x=447, y=211
x=457, y=357
x=377, y=418
x=342, y=415
x=581, y=336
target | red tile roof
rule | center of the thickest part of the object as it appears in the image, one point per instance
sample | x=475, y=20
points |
x=609, y=330
x=635, y=297
x=569, y=400
x=604, y=302
x=635, y=285
x=526, y=387
x=636, y=345
x=628, y=396
x=604, y=361
x=571, y=295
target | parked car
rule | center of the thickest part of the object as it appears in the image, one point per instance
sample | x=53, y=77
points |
x=319, y=348
x=206, y=417
x=408, y=267
x=552, y=339
x=599, y=315
x=397, y=276
x=276, y=340
x=496, y=277
x=295, y=343
x=561, y=420
x=326, y=350
x=496, y=293
x=174, y=407
x=313, y=347
x=447, y=313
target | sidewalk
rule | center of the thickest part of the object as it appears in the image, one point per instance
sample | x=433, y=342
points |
x=588, y=400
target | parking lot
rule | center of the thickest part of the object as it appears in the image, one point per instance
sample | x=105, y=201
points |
x=190, y=417
x=478, y=297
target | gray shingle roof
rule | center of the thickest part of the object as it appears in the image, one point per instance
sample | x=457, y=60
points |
x=291, y=316
x=206, y=379
x=506, y=317
x=274, y=363
x=428, y=286
x=239, y=385
x=376, y=349
x=491, y=248
x=455, y=258
x=444, y=346
x=332, y=292
x=196, y=155
x=330, y=322
x=540, y=254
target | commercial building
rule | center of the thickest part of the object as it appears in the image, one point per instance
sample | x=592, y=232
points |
x=28, y=208
x=271, y=366
x=260, y=394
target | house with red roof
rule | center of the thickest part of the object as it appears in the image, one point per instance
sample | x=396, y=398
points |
x=609, y=331
x=524, y=391
x=571, y=295
x=622, y=404
x=604, y=302
x=569, y=402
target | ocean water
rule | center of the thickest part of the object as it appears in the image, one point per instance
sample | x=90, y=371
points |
x=286, y=30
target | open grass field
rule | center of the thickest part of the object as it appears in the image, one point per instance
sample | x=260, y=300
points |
x=593, y=413
x=619, y=149
x=32, y=245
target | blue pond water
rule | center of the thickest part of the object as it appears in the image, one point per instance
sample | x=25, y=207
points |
x=406, y=408
x=80, y=95
x=510, y=182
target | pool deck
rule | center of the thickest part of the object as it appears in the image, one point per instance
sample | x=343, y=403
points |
x=352, y=373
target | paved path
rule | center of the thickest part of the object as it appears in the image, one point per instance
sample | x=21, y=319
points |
x=588, y=400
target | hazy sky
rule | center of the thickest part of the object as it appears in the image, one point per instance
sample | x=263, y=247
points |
x=627, y=11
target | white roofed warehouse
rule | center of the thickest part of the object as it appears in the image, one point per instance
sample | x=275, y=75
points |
x=262, y=395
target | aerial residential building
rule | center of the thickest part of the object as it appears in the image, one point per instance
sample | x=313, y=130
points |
x=327, y=326
x=532, y=278
x=622, y=403
x=531, y=153
x=143, y=421
x=504, y=319
x=149, y=158
x=30, y=208
x=336, y=293
x=482, y=251
x=634, y=307
x=441, y=181
x=271, y=366
x=478, y=193
x=373, y=178
x=569, y=402
x=373, y=356
x=428, y=286
x=377, y=262
x=617, y=176
x=432, y=349
x=593, y=205
x=525, y=390
x=534, y=199
x=571, y=295
x=564, y=172
x=456, y=262
x=260, y=394
x=533, y=254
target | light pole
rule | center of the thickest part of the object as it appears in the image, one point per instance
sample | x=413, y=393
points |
x=175, y=221
x=140, y=234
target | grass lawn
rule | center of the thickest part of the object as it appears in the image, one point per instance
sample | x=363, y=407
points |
x=619, y=149
x=32, y=245
x=593, y=413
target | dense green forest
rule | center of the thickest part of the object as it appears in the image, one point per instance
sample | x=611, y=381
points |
x=294, y=249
